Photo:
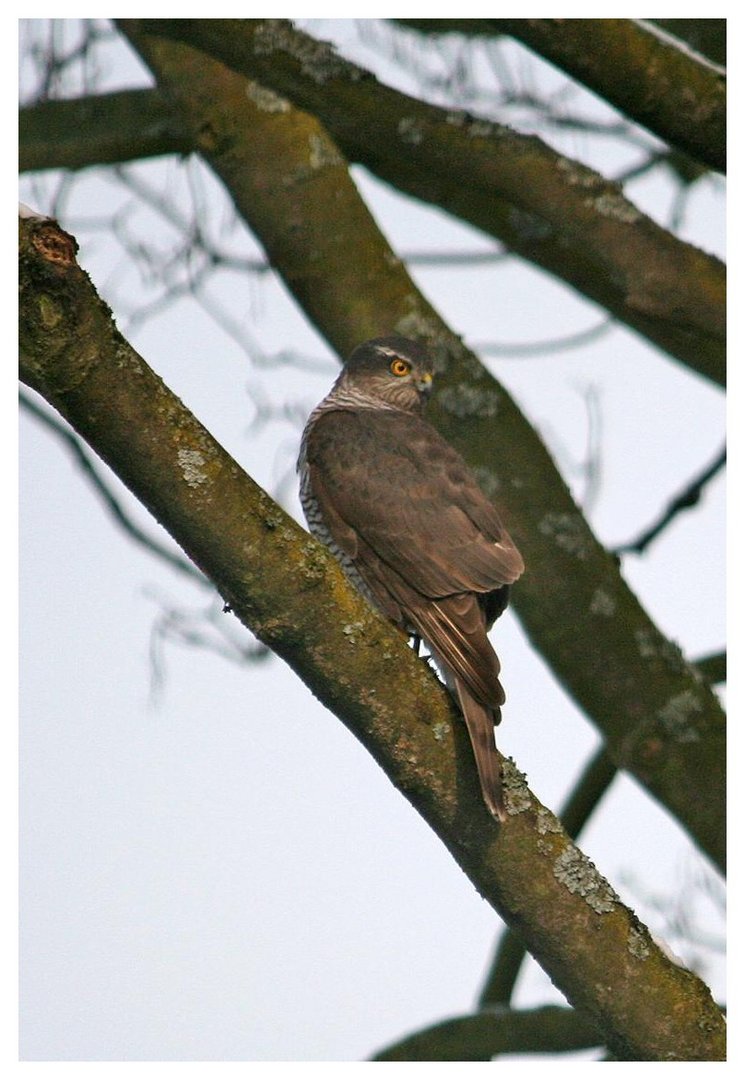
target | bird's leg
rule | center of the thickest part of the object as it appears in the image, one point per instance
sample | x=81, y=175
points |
x=416, y=644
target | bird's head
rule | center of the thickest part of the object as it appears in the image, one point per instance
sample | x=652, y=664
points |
x=393, y=370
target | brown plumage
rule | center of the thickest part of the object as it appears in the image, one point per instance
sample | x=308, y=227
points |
x=404, y=515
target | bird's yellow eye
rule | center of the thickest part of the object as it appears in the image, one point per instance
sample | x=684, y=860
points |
x=399, y=367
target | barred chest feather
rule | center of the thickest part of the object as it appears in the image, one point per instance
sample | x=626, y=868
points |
x=309, y=503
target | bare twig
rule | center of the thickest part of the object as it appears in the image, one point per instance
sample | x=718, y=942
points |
x=689, y=497
x=100, y=486
x=201, y=628
x=575, y=340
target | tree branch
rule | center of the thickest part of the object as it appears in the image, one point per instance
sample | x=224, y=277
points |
x=669, y=290
x=592, y=785
x=552, y=1029
x=647, y=75
x=510, y=953
x=678, y=96
x=291, y=183
x=289, y=591
x=713, y=667
x=104, y=129
x=706, y=36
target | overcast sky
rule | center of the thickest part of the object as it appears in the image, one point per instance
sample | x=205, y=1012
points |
x=212, y=868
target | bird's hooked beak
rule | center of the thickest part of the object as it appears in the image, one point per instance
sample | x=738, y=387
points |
x=423, y=383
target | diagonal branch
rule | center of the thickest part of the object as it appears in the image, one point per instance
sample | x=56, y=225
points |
x=510, y=952
x=649, y=76
x=705, y=36
x=594, y=782
x=293, y=596
x=677, y=95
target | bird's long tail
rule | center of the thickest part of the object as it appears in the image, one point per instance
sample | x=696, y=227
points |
x=480, y=721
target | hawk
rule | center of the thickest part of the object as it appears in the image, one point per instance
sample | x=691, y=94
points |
x=403, y=514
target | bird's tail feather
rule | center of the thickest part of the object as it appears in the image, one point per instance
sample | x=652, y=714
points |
x=480, y=723
x=454, y=629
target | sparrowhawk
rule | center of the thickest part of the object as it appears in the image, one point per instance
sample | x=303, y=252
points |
x=412, y=529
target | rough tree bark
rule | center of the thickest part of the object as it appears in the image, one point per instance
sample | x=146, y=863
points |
x=678, y=96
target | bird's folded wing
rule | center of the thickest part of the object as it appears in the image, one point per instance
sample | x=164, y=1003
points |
x=391, y=479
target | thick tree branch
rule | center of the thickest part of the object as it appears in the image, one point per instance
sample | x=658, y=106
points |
x=675, y=94
x=51, y=138
x=291, y=594
x=595, y=781
x=706, y=36
x=104, y=129
x=552, y=1029
x=510, y=952
x=291, y=183
x=678, y=96
x=669, y=290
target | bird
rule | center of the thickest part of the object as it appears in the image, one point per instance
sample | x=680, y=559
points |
x=405, y=517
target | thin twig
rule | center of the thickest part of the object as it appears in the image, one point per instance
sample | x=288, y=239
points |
x=690, y=496
x=574, y=340
x=85, y=461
